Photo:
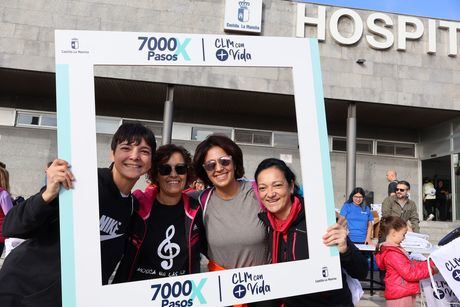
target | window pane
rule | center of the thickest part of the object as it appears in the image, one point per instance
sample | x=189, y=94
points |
x=28, y=119
x=339, y=144
x=107, y=125
x=157, y=128
x=407, y=150
x=364, y=146
x=48, y=120
x=263, y=138
x=285, y=140
x=243, y=136
x=385, y=148
x=200, y=133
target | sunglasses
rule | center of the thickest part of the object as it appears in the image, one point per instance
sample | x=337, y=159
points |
x=400, y=190
x=166, y=169
x=223, y=161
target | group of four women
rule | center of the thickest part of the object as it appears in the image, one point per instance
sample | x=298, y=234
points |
x=235, y=223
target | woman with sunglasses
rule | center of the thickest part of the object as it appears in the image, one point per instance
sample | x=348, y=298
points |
x=167, y=234
x=235, y=235
x=359, y=217
x=285, y=216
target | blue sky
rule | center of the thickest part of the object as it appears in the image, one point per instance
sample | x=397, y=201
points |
x=440, y=9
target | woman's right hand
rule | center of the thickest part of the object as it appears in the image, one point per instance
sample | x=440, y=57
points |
x=337, y=235
x=57, y=174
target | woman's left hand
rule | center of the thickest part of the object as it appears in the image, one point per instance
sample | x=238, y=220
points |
x=336, y=235
x=368, y=241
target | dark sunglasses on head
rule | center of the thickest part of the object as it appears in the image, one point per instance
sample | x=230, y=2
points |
x=166, y=169
x=223, y=161
x=400, y=190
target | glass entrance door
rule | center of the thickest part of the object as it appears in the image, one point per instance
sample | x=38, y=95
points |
x=437, y=188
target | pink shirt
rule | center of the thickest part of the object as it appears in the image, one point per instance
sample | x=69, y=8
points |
x=5, y=202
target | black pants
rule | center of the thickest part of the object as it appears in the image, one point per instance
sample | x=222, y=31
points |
x=430, y=207
x=442, y=207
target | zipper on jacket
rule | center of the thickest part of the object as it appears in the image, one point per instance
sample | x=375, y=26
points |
x=138, y=248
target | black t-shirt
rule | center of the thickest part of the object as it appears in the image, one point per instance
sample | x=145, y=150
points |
x=164, y=250
x=392, y=187
x=115, y=212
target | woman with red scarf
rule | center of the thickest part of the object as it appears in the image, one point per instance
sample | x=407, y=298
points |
x=285, y=218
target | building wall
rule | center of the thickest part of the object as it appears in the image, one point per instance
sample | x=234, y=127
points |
x=370, y=175
x=410, y=77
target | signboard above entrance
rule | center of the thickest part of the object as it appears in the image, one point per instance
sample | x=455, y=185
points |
x=380, y=26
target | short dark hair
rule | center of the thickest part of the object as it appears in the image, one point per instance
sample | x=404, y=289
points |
x=405, y=183
x=2, y=165
x=355, y=191
x=391, y=222
x=280, y=165
x=133, y=133
x=162, y=156
x=224, y=142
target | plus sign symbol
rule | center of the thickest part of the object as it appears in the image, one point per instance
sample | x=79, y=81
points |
x=440, y=295
x=222, y=55
x=456, y=275
x=239, y=291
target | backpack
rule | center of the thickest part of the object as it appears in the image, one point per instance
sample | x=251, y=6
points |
x=18, y=200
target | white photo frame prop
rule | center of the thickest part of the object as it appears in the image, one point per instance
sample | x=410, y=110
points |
x=76, y=54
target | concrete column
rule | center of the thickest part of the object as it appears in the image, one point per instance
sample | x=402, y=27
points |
x=351, y=148
x=168, y=115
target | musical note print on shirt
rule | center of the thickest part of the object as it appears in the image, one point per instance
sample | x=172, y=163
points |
x=168, y=250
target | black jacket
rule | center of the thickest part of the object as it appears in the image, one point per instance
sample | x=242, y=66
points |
x=30, y=275
x=352, y=261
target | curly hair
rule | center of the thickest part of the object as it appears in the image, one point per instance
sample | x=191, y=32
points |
x=230, y=148
x=162, y=156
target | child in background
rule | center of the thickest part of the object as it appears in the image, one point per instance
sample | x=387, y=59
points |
x=402, y=274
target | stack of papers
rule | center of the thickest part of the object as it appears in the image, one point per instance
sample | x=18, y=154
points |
x=416, y=241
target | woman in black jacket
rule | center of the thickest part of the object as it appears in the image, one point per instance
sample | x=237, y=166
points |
x=285, y=218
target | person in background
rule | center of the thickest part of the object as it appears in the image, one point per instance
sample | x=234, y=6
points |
x=359, y=217
x=429, y=199
x=285, y=217
x=402, y=274
x=167, y=232
x=400, y=205
x=199, y=185
x=5, y=202
x=441, y=199
x=391, y=177
x=31, y=274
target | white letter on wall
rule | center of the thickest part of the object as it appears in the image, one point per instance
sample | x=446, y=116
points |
x=453, y=28
x=403, y=21
x=431, y=36
x=357, y=31
x=319, y=21
x=380, y=31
